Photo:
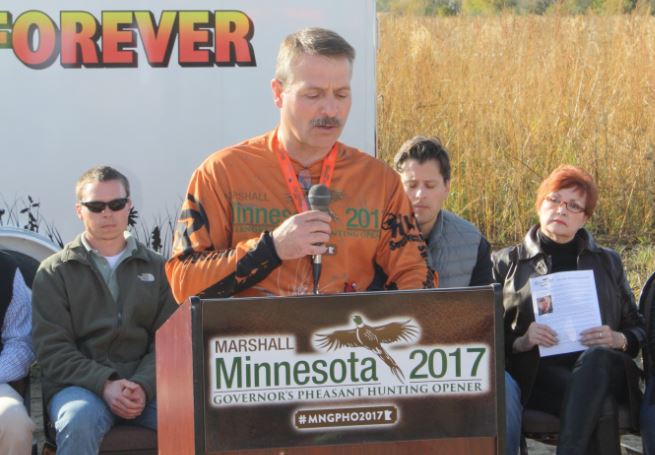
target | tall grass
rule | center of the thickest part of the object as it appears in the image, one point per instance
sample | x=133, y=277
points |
x=639, y=263
x=512, y=97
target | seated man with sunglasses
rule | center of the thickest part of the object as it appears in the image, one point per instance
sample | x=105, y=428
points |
x=97, y=305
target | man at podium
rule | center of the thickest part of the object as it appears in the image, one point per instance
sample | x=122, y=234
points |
x=246, y=227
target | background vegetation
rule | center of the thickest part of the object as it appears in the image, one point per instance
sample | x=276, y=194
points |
x=485, y=7
x=513, y=96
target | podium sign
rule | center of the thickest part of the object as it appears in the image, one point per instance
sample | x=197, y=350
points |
x=333, y=370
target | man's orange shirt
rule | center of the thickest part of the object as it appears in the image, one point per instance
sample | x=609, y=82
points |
x=238, y=195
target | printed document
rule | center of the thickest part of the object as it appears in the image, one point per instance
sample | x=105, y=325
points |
x=568, y=303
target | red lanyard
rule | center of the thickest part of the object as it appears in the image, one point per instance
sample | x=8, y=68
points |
x=291, y=179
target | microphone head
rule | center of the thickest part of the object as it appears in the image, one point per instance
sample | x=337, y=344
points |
x=319, y=197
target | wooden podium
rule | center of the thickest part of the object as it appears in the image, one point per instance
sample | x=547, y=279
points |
x=298, y=375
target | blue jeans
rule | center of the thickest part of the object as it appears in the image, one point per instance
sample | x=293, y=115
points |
x=648, y=418
x=82, y=419
x=513, y=414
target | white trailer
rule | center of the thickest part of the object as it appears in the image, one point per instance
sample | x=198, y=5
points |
x=151, y=89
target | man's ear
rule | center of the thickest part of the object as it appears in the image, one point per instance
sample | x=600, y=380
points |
x=278, y=90
x=78, y=210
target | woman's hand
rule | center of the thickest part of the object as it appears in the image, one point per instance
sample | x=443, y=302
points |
x=603, y=336
x=536, y=335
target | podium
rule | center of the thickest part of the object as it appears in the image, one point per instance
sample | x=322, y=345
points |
x=401, y=372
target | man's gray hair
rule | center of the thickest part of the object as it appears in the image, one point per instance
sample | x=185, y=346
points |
x=310, y=41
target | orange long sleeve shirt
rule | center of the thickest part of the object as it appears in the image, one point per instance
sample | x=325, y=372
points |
x=222, y=247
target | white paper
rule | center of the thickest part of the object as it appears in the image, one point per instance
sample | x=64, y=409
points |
x=568, y=303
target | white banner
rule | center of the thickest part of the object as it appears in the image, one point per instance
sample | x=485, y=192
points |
x=149, y=90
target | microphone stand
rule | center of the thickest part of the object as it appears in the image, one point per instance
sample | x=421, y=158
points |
x=316, y=271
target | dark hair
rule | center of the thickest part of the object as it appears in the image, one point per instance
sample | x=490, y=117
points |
x=566, y=176
x=422, y=149
x=310, y=41
x=100, y=174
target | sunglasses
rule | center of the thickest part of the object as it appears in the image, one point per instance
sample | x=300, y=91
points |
x=98, y=206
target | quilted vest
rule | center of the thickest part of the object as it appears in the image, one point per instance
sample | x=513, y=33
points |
x=453, y=244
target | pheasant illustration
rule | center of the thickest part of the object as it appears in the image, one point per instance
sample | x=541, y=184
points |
x=371, y=338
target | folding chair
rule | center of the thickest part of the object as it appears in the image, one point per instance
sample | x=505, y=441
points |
x=121, y=439
x=544, y=427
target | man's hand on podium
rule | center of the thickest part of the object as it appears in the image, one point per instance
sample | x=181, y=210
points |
x=125, y=398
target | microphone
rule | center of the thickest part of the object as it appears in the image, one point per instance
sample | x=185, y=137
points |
x=319, y=199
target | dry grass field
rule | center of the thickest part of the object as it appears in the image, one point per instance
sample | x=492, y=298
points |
x=514, y=96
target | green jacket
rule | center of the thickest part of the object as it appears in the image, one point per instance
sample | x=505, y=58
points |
x=82, y=335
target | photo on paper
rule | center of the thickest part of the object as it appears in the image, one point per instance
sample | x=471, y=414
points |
x=544, y=304
x=574, y=295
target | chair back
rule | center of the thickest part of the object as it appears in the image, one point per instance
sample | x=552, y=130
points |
x=26, y=264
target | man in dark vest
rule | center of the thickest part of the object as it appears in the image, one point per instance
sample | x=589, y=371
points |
x=456, y=248
x=97, y=305
x=16, y=356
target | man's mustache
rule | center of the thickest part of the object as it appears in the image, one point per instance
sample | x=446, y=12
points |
x=326, y=121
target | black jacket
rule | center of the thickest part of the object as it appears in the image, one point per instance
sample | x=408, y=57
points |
x=646, y=302
x=515, y=265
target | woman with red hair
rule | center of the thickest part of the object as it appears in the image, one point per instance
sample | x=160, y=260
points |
x=581, y=388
